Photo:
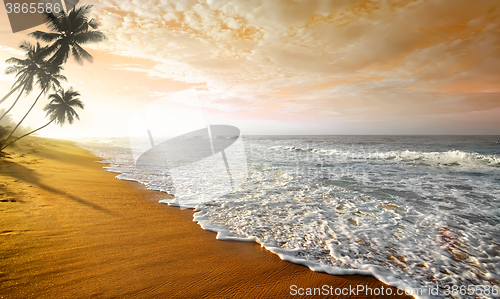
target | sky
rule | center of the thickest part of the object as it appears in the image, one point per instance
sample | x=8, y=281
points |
x=285, y=67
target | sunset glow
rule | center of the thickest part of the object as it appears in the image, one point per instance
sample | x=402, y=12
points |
x=289, y=67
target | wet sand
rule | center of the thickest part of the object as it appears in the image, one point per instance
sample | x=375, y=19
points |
x=70, y=229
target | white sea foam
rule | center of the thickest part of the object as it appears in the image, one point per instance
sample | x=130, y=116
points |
x=448, y=158
x=411, y=215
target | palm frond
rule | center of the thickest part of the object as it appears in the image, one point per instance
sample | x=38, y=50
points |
x=12, y=69
x=55, y=23
x=61, y=77
x=15, y=60
x=26, y=46
x=55, y=97
x=68, y=31
x=76, y=103
x=90, y=37
x=60, y=109
x=79, y=53
x=45, y=36
x=61, y=55
x=81, y=13
x=69, y=116
x=50, y=50
x=77, y=56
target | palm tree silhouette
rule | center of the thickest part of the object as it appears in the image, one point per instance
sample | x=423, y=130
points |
x=59, y=110
x=47, y=79
x=26, y=70
x=68, y=33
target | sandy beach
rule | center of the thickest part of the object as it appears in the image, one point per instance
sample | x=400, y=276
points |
x=69, y=229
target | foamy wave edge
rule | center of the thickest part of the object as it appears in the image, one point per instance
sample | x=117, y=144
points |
x=223, y=234
x=378, y=272
x=436, y=158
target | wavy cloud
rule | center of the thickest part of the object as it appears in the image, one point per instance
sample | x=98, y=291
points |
x=326, y=58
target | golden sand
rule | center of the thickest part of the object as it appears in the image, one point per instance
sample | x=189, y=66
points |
x=69, y=229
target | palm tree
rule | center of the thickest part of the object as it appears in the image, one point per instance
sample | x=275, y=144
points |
x=59, y=110
x=47, y=79
x=68, y=33
x=61, y=106
x=26, y=70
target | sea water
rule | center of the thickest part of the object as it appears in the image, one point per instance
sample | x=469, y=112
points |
x=414, y=211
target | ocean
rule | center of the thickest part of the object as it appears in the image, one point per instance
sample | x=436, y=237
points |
x=417, y=212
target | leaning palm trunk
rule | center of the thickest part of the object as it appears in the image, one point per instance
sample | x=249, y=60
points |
x=60, y=109
x=19, y=123
x=10, y=143
x=8, y=95
x=15, y=102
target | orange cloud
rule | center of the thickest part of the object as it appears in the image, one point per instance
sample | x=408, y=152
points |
x=309, y=59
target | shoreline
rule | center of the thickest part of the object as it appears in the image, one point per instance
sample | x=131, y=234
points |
x=71, y=229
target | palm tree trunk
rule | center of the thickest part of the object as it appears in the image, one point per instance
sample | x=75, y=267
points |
x=19, y=123
x=8, y=144
x=8, y=95
x=6, y=112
